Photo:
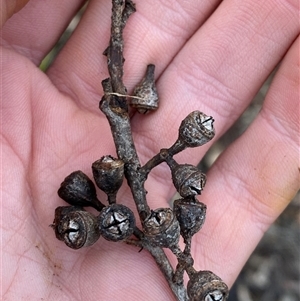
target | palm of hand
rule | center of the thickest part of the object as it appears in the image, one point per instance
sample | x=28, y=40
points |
x=52, y=126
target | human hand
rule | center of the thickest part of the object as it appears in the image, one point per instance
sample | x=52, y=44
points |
x=51, y=125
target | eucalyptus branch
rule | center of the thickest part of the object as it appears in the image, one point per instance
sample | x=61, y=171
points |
x=161, y=227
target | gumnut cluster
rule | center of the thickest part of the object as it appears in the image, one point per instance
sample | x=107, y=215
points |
x=115, y=222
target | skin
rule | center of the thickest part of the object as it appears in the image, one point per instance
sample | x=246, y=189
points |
x=209, y=60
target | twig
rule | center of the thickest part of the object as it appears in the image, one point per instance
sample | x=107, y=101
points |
x=162, y=227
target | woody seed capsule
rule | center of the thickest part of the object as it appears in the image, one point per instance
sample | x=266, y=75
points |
x=75, y=227
x=206, y=286
x=116, y=222
x=188, y=180
x=145, y=95
x=190, y=214
x=162, y=228
x=78, y=190
x=108, y=173
x=196, y=129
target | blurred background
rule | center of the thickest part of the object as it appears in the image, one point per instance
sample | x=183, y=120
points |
x=272, y=273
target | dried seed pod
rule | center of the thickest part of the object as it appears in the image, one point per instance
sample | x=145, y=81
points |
x=190, y=214
x=188, y=179
x=162, y=228
x=145, y=95
x=196, y=129
x=75, y=227
x=108, y=173
x=78, y=190
x=116, y=222
x=206, y=286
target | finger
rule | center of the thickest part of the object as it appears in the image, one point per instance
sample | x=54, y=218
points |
x=35, y=29
x=155, y=27
x=218, y=72
x=8, y=8
x=254, y=179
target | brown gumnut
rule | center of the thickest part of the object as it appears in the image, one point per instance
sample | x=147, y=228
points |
x=75, y=227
